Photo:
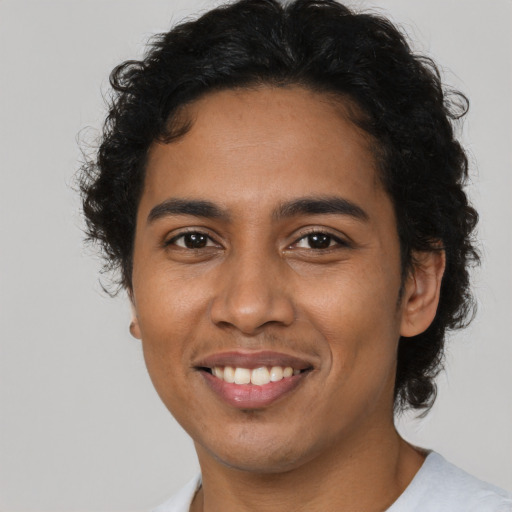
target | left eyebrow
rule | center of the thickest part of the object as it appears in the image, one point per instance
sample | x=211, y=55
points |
x=320, y=206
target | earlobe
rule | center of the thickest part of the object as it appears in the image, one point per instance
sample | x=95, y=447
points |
x=134, y=329
x=421, y=292
x=134, y=324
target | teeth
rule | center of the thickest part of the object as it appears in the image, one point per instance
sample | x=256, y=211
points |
x=276, y=373
x=229, y=374
x=288, y=372
x=258, y=376
x=218, y=372
x=242, y=376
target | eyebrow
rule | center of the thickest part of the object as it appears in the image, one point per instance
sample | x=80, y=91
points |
x=321, y=206
x=195, y=208
x=303, y=206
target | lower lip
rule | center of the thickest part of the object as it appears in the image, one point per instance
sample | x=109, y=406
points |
x=250, y=396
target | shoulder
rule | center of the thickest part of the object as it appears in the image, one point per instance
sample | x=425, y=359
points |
x=181, y=501
x=441, y=486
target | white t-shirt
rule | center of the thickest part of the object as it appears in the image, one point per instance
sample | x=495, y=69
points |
x=437, y=487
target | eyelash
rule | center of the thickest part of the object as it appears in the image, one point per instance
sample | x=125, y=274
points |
x=339, y=242
x=172, y=241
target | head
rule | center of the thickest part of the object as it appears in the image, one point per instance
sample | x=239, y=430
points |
x=362, y=68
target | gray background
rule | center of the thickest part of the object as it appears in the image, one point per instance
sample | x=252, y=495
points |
x=80, y=425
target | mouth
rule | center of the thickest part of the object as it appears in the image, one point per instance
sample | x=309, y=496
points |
x=253, y=380
x=256, y=377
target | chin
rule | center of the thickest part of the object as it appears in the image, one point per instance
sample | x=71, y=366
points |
x=260, y=455
x=261, y=463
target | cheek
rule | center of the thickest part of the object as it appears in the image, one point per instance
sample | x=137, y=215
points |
x=166, y=304
x=353, y=298
x=358, y=317
x=169, y=313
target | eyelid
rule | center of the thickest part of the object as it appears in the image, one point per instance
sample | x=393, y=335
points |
x=340, y=239
x=170, y=238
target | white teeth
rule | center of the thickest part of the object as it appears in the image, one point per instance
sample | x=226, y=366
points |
x=242, y=376
x=276, y=373
x=258, y=376
x=229, y=374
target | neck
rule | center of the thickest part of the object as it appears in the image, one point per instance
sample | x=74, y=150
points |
x=367, y=474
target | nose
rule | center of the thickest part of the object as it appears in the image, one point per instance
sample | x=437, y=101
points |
x=252, y=293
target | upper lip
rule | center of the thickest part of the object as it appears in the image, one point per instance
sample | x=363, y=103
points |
x=251, y=360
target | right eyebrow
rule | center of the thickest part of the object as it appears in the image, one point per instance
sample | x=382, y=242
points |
x=195, y=208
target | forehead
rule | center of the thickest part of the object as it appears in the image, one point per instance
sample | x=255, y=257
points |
x=262, y=144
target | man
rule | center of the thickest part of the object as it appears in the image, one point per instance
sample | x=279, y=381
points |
x=281, y=191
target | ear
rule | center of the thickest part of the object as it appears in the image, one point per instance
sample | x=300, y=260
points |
x=134, y=324
x=421, y=292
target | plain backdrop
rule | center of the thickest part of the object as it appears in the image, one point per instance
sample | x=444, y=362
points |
x=81, y=428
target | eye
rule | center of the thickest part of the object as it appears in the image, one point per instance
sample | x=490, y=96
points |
x=319, y=240
x=192, y=240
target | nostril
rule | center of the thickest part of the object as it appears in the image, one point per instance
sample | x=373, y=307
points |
x=249, y=313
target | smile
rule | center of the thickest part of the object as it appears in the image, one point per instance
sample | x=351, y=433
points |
x=258, y=376
x=252, y=380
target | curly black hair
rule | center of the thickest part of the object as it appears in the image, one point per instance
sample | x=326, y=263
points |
x=323, y=46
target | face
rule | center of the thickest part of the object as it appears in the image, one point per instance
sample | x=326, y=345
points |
x=266, y=280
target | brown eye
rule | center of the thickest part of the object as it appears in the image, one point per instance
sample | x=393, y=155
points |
x=318, y=241
x=191, y=240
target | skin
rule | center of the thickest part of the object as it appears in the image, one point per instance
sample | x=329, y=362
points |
x=261, y=284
